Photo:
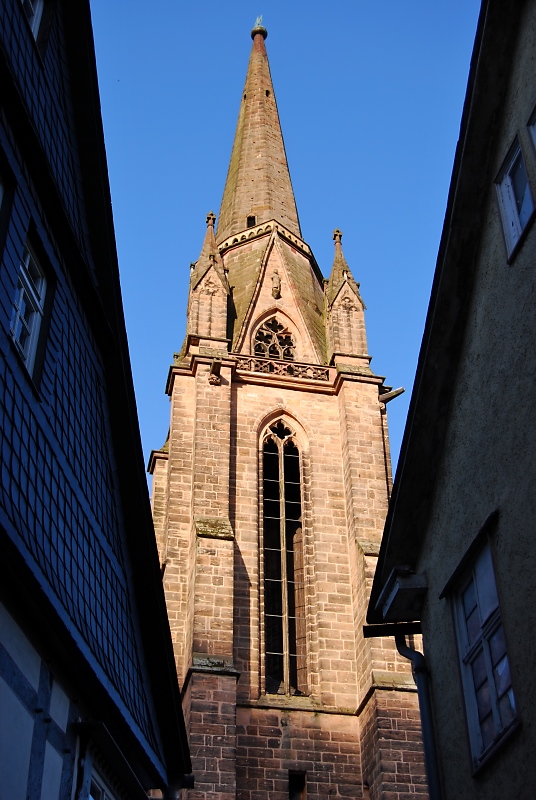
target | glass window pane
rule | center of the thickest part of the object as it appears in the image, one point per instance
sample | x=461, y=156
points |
x=507, y=708
x=293, y=678
x=291, y=599
x=488, y=731
x=473, y=626
x=292, y=492
x=501, y=673
x=292, y=636
x=293, y=530
x=497, y=645
x=26, y=311
x=95, y=793
x=272, y=508
x=274, y=674
x=271, y=490
x=272, y=564
x=292, y=468
x=292, y=511
x=273, y=602
x=483, y=700
x=485, y=584
x=478, y=668
x=272, y=533
x=469, y=599
x=520, y=185
x=273, y=631
x=271, y=464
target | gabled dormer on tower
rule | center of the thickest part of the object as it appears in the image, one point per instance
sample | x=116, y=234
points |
x=209, y=290
x=345, y=319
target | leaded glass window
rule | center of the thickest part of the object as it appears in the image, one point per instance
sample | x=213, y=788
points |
x=283, y=564
x=274, y=340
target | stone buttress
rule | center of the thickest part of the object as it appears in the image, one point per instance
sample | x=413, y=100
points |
x=269, y=498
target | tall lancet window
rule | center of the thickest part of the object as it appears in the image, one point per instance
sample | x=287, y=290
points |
x=283, y=564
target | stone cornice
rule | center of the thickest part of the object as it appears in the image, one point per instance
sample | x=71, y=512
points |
x=291, y=374
x=256, y=232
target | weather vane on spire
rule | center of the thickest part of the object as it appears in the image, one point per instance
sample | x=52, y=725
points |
x=259, y=28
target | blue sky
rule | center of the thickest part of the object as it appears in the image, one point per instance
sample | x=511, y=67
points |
x=370, y=98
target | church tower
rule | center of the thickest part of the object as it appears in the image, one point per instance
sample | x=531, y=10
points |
x=269, y=498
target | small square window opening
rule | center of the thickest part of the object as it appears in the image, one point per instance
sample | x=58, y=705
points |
x=515, y=198
x=251, y=221
x=28, y=307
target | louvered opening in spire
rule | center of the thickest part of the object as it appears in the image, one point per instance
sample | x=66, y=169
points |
x=258, y=186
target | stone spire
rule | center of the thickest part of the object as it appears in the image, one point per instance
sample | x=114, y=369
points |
x=340, y=271
x=258, y=186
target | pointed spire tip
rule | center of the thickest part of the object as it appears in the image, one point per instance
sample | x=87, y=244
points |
x=211, y=218
x=337, y=236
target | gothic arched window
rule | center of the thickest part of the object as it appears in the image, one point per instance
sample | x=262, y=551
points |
x=284, y=595
x=273, y=340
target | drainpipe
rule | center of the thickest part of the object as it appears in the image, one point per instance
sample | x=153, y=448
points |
x=420, y=674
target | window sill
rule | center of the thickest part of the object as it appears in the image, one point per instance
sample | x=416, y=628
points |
x=517, y=247
x=294, y=703
x=494, y=748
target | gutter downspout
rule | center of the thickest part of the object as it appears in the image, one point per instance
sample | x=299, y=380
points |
x=420, y=675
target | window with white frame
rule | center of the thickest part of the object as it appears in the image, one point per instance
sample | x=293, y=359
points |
x=34, y=13
x=515, y=198
x=28, y=307
x=487, y=684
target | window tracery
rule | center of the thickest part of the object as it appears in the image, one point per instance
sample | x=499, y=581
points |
x=274, y=340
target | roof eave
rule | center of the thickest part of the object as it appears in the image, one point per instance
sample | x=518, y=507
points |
x=457, y=260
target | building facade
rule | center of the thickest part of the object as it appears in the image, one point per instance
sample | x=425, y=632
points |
x=89, y=703
x=272, y=488
x=458, y=551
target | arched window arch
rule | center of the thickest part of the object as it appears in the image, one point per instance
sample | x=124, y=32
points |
x=283, y=564
x=274, y=340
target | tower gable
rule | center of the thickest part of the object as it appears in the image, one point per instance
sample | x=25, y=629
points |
x=285, y=291
x=207, y=313
x=346, y=323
